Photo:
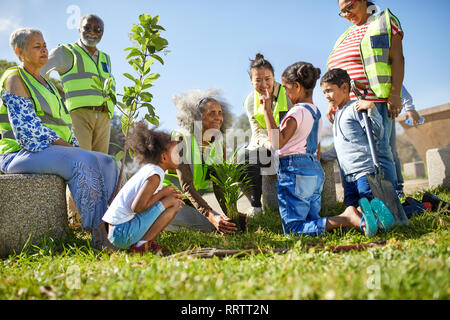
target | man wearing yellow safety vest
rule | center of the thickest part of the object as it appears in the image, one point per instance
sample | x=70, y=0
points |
x=77, y=63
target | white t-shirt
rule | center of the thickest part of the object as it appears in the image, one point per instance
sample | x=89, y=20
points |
x=120, y=209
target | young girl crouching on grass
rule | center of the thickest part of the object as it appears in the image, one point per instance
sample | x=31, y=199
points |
x=143, y=208
x=296, y=141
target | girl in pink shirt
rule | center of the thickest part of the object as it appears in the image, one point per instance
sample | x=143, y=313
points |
x=300, y=175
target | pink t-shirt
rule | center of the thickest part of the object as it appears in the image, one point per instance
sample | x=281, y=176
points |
x=305, y=121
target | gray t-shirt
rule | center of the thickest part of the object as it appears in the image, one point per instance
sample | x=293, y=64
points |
x=351, y=142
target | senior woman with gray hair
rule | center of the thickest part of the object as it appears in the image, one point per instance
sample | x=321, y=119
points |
x=203, y=118
x=37, y=136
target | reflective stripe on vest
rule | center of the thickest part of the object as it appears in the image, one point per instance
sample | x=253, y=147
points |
x=48, y=105
x=77, y=82
x=374, y=50
x=258, y=112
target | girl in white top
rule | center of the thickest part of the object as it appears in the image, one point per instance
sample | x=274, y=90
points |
x=143, y=208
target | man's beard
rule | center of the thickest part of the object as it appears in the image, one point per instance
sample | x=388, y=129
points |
x=89, y=42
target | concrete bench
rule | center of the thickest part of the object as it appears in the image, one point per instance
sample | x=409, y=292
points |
x=269, y=191
x=329, y=185
x=31, y=206
x=414, y=169
x=438, y=165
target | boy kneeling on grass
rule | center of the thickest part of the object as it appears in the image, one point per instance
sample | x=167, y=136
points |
x=353, y=151
x=143, y=208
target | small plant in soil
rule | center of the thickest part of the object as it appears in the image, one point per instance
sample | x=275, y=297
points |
x=231, y=178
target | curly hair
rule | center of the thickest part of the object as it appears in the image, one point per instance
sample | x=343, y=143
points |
x=148, y=144
x=191, y=105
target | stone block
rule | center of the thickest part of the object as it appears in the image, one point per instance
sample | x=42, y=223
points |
x=31, y=206
x=414, y=169
x=269, y=191
x=329, y=185
x=438, y=165
x=337, y=176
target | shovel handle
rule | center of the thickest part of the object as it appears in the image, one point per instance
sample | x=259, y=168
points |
x=372, y=147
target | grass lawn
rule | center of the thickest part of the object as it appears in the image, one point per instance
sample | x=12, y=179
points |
x=413, y=264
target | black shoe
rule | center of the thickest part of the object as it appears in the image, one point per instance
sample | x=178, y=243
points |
x=412, y=202
x=435, y=202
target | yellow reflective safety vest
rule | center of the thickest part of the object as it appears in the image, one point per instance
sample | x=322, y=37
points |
x=77, y=82
x=253, y=102
x=200, y=168
x=48, y=105
x=374, y=50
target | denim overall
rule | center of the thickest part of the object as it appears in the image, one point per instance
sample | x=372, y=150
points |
x=300, y=183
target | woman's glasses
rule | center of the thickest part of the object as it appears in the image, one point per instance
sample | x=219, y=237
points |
x=348, y=9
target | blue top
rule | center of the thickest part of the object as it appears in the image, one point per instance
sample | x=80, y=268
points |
x=351, y=143
x=31, y=134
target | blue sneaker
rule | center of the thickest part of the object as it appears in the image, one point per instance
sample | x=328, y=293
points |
x=368, y=217
x=387, y=220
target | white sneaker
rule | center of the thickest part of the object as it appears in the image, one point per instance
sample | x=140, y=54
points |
x=252, y=211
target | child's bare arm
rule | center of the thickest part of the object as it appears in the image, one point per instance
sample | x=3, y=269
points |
x=278, y=138
x=147, y=197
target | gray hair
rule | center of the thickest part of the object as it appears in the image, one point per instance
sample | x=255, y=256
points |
x=19, y=38
x=88, y=16
x=191, y=105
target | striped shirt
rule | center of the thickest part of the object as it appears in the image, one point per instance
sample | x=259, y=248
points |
x=347, y=56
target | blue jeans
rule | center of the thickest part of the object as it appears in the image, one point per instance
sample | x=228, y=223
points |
x=355, y=190
x=128, y=233
x=384, y=145
x=300, y=184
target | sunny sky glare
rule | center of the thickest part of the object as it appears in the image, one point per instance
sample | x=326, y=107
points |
x=211, y=42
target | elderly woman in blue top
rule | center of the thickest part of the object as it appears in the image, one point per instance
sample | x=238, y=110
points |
x=37, y=135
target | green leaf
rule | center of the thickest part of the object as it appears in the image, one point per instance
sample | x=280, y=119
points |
x=146, y=97
x=137, y=29
x=113, y=98
x=150, y=108
x=129, y=76
x=134, y=53
x=157, y=58
x=148, y=64
x=151, y=78
x=125, y=121
x=152, y=120
x=119, y=156
x=145, y=19
x=154, y=21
